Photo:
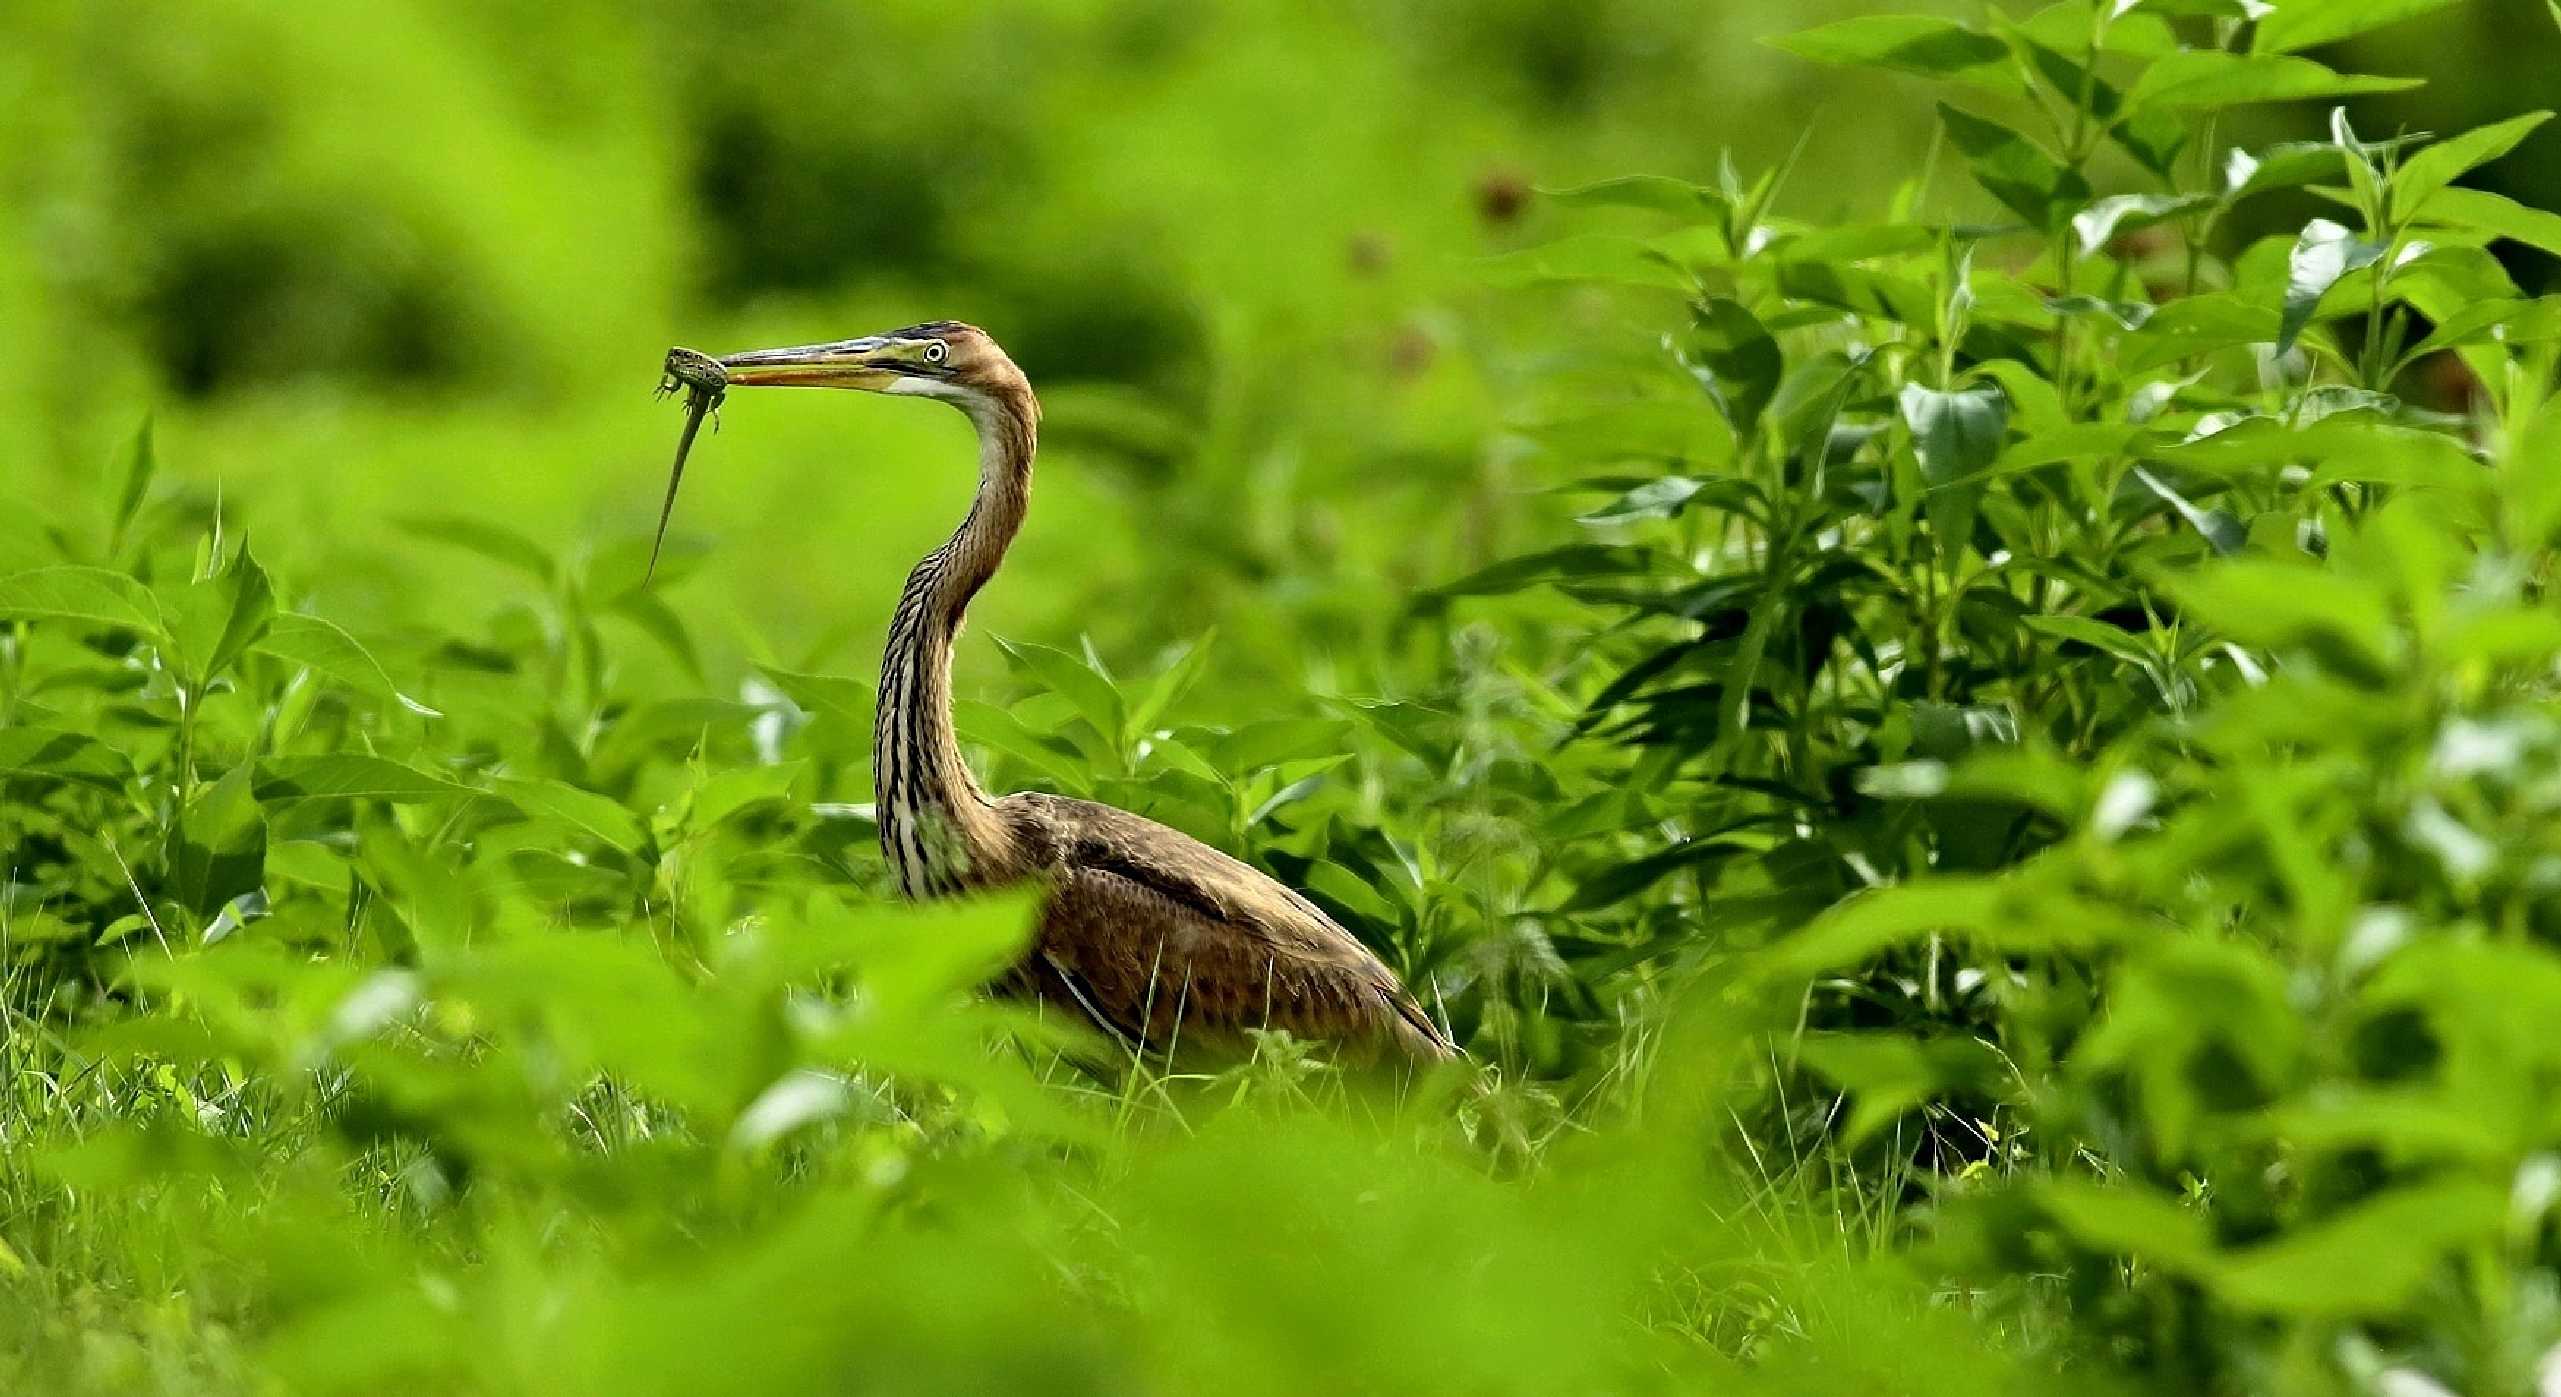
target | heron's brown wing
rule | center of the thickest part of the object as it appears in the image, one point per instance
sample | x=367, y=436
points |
x=1152, y=929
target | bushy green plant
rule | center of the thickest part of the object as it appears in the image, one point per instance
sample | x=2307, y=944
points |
x=2108, y=621
x=2011, y=851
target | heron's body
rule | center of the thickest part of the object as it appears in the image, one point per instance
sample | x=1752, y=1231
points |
x=1157, y=938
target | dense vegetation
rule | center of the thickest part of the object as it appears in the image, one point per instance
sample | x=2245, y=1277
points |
x=2003, y=834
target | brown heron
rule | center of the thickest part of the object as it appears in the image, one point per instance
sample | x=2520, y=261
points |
x=1157, y=938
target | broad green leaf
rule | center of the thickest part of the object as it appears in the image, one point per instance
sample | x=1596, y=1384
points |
x=2506, y=320
x=1579, y=560
x=659, y=621
x=2096, y=225
x=1957, y=436
x=1592, y=257
x=724, y=793
x=2014, y=170
x=1168, y=687
x=135, y=466
x=1616, y=883
x=70, y=593
x=2125, y=315
x=2494, y=214
x=2219, y=529
x=2437, y=166
x=1888, y=1074
x=2153, y=138
x=2079, y=441
x=2530, y=479
x=1096, y=698
x=1657, y=193
x=2322, y=257
x=2279, y=605
x=1873, y=922
x=495, y=542
x=217, y=849
x=1054, y=758
x=1670, y=496
x=2098, y=635
x=69, y=755
x=1736, y=360
x=2369, y=1260
x=213, y=621
x=2201, y=9
x=1909, y=44
x=348, y=776
x=324, y=647
x=1277, y=740
x=2303, y=24
x=2129, y=1221
x=849, y=700
x=1860, y=291
x=582, y=810
x=2200, y=80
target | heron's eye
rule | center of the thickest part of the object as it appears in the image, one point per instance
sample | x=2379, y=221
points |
x=936, y=351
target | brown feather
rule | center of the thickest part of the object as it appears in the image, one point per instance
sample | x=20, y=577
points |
x=1157, y=938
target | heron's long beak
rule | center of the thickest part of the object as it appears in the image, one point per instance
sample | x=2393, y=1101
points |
x=864, y=363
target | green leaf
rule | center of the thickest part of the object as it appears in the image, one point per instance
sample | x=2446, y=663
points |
x=2303, y=24
x=2098, y=635
x=1590, y=258
x=2200, y=80
x=2322, y=257
x=2289, y=165
x=2221, y=530
x=1957, y=436
x=659, y=621
x=1668, y=497
x=1578, y=560
x=348, y=776
x=1169, y=687
x=495, y=542
x=72, y=756
x=1616, y=883
x=2201, y=9
x=1888, y=1074
x=1736, y=360
x=1908, y=44
x=80, y=594
x=2128, y=1221
x=1093, y=693
x=849, y=700
x=1865, y=925
x=2016, y=171
x=217, y=849
x=2507, y=320
x=1054, y=758
x=1274, y=741
x=2494, y=214
x=2096, y=225
x=322, y=646
x=1656, y=193
x=135, y=467
x=215, y=620
x=2370, y=1260
x=2434, y=168
x=582, y=810
x=2278, y=605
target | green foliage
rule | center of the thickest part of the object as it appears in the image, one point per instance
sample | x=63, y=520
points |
x=2154, y=696
x=2008, y=816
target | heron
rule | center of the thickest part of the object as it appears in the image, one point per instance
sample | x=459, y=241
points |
x=1157, y=939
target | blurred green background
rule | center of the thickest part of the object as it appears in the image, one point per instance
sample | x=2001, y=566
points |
x=422, y=256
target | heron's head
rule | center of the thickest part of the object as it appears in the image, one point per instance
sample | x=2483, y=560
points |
x=942, y=359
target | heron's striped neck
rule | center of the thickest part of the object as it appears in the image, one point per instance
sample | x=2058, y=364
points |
x=935, y=825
